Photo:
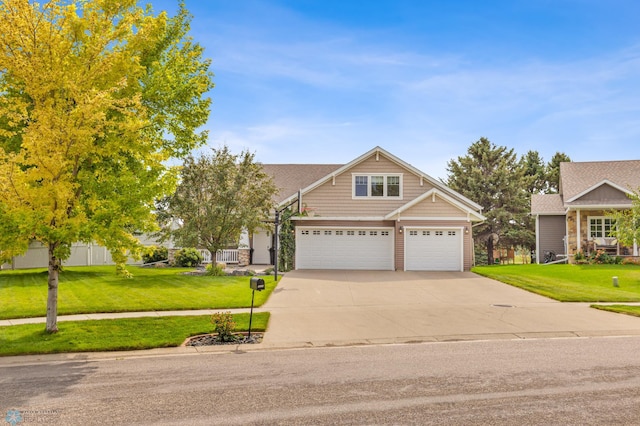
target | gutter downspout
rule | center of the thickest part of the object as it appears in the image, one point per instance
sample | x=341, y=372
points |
x=538, y=239
x=578, y=240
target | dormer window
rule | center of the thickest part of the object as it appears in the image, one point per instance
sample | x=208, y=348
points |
x=377, y=186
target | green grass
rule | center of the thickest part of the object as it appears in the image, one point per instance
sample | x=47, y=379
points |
x=23, y=293
x=114, y=335
x=620, y=309
x=571, y=283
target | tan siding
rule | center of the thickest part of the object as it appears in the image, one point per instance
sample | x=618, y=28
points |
x=336, y=200
x=429, y=208
x=346, y=223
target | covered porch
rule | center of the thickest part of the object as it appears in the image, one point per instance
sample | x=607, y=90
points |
x=589, y=231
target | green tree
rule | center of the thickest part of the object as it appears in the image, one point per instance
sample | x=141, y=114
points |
x=491, y=176
x=534, y=173
x=95, y=96
x=218, y=196
x=553, y=171
x=627, y=229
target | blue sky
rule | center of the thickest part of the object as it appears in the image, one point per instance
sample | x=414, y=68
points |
x=323, y=81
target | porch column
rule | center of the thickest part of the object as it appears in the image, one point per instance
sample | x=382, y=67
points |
x=578, y=239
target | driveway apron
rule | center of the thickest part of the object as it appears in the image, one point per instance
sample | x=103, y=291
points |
x=320, y=308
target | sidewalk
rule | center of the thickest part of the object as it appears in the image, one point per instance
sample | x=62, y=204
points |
x=104, y=316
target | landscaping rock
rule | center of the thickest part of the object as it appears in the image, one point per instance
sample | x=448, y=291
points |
x=212, y=339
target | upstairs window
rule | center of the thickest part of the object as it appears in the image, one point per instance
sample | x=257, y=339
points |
x=361, y=186
x=393, y=186
x=377, y=186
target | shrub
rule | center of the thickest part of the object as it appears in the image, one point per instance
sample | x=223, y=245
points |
x=224, y=325
x=481, y=257
x=216, y=270
x=188, y=257
x=156, y=254
x=601, y=257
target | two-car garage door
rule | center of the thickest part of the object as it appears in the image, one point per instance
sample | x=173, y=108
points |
x=344, y=248
x=426, y=249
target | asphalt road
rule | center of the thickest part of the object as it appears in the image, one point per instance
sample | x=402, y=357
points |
x=515, y=382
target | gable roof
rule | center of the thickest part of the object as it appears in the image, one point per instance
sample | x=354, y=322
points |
x=601, y=184
x=432, y=193
x=290, y=178
x=379, y=151
x=578, y=178
x=581, y=181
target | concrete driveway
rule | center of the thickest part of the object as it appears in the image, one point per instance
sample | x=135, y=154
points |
x=320, y=308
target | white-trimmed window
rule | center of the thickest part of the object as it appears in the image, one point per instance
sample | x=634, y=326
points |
x=377, y=185
x=601, y=227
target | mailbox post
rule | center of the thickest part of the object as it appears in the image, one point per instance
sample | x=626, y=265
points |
x=255, y=283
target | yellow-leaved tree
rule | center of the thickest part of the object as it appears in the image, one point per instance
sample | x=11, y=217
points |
x=95, y=97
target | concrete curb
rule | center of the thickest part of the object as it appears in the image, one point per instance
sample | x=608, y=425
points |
x=81, y=357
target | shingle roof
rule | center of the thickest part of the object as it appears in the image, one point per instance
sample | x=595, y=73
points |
x=547, y=204
x=576, y=177
x=289, y=178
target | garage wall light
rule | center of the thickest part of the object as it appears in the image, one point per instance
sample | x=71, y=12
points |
x=401, y=229
x=466, y=229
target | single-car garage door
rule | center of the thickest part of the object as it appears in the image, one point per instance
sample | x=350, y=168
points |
x=344, y=248
x=433, y=249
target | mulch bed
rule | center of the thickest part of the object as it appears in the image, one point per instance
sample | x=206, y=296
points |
x=212, y=339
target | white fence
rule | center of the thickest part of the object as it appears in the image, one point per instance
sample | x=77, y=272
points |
x=224, y=256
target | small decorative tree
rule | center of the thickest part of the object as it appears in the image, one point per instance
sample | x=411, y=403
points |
x=224, y=326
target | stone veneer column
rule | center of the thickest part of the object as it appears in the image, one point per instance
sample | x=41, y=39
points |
x=243, y=256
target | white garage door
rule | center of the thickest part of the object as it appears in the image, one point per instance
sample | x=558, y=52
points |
x=344, y=248
x=433, y=249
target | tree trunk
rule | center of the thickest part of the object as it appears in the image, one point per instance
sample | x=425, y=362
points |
x=490, y=259
x=52, y=294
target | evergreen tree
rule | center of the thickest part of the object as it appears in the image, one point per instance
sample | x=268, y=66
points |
x=491, y=176
x=534, y=172
x=553, y=171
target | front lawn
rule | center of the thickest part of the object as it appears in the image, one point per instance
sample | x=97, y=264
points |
x=23, y=293
x=571, y=283
x=114, y=335
x=620, y=309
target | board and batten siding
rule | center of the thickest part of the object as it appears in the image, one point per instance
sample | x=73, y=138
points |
x=336, y=199
x=552, y=230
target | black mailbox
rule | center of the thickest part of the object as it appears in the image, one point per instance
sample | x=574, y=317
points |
x=256, y=283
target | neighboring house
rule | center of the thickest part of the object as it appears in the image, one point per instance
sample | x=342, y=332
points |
x=375, y=213
x=82, y=254
x=576, y=219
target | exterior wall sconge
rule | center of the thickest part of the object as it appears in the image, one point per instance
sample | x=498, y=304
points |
x=466, y=230
x=401, y=229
